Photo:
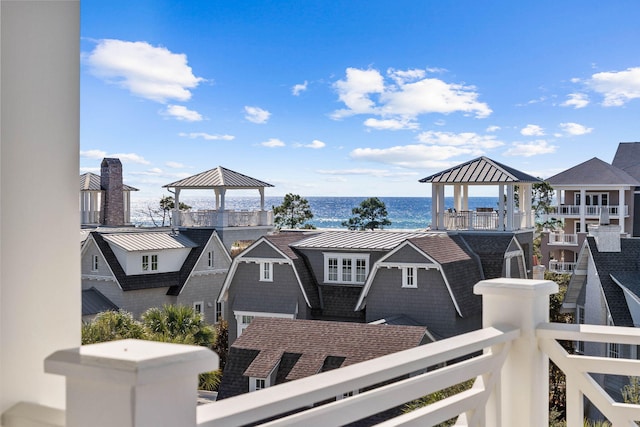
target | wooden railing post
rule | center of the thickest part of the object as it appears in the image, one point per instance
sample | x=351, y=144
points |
x=521, y=397
x=132, y=383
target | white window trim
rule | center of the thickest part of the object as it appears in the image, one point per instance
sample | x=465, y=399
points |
x=347, y=394
x=201, y=304
x=238, y=316
x=269, y=266
x=94, y=263
x=150, y=262
x=414, y=277
x=210, y=260
x=253, y=383
x=340, y=256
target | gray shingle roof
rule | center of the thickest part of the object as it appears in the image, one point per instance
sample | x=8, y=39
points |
x=91, y=182
x=627, y=158
x=218, y=178
x=365, y=240
x=618, y=264
x=94, y=302
x=174, y=281
x=480, y=170
x=593, y=172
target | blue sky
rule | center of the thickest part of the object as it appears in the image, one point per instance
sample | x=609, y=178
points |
x=354, y=98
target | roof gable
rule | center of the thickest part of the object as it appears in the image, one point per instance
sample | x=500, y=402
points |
x=593, y=172
x=627, y=158
x=480, y=170
x=219, y=177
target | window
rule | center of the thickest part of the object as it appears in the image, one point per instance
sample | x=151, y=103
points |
x=210, y=259
x=266, y=272
x=345, y=268
x=613, y=348
x=260, y=384
x=146, y=264
x=198, y=307
x=218, y=311
x=94, y=263
x=409, y=279
x=256, y=384
x=243, y=322
x=347, y=394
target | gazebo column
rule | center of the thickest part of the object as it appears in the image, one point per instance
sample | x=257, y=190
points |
x=501, y=207
x=263, y=217
x=176, y=208
x=465, y=197
x=217, y=193
x=525, y=201
x=457, y=197
x=510, y=207
x=223, y=218
x=437, y=206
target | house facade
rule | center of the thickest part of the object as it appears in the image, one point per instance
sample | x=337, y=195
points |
x=135, y=269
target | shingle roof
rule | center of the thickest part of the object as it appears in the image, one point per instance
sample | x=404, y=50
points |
x=480, y=170
x=94, y=302
x=317, y=340
x=368, y=240
x=91, y=182
x=172, y=280
x=630, y=280
x=627, y=158
x=216, y=178
x=490, y=250
x=593, y=172
x=617, y=264
x=150, y=241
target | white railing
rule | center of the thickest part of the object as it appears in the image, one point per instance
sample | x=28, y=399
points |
x=479, y=220
x=563, y=239
x=508, y=360
x=227, y=218
x=590, y=211
x=561, y=267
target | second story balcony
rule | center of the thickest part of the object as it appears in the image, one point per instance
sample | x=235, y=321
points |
x=563, y=239
x=561, y=267
x=575, y=211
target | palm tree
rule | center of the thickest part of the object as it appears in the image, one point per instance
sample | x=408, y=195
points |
x=178, y=324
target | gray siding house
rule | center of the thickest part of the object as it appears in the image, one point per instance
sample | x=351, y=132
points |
x=134, y=269
x=363, y=276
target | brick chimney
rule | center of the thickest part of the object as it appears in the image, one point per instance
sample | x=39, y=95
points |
x=113, y=200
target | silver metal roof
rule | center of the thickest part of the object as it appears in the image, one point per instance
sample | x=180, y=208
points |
x=91, y=182
x=218, y=178
x=345, y=239
x=482, y=170
x=149, y=241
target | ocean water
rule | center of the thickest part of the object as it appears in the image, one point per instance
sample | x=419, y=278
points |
x=407, y=213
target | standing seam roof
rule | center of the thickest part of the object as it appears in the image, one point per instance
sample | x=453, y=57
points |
x=218, y=177
x=480, y=170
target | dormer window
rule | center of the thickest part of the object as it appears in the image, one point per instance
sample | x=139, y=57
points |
x=346, y=268
x=149, y=262
x=210, y=259
x=409, y=279
x=266, y=272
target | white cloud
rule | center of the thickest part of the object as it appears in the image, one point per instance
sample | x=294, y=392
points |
x=147, y=71
x=207, y=136
x=390, y=124
x=465, y=139
x=256, y=115
x=408, y=94
x=272, y=143
x=124, y=157
x=174, y=165
x=575, y=129
x=378, y=173
x=149, y=172
x=576, y=100
x=299, y=88
x=528, y=149
x=617, y=87
x=493, y=128
x=532, y=130
x=413, y=156
x=316, y=144
x=181, y=112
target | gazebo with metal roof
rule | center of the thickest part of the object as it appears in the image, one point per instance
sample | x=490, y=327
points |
x=91, y=193
x=219, y=180
x=482, y=171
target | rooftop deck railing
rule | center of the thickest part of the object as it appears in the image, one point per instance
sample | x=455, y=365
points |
x=590, y=211
x=227, y=218
x=134, y=383
x=486, y=220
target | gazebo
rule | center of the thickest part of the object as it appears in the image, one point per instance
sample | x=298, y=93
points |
x=482, y=171
x=220, y=180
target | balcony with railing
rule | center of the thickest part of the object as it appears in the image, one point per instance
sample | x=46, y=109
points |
x=563, y=239
x=561, y=267
x=226, y=218
x=486, y=220
x=574, y=211
x=134, y=383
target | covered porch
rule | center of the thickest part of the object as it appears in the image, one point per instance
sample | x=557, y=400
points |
x=513, y=211
x=220, y=180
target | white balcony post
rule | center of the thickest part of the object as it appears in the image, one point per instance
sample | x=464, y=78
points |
x=621, y=213
x=521, y=397
x=132, y=383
